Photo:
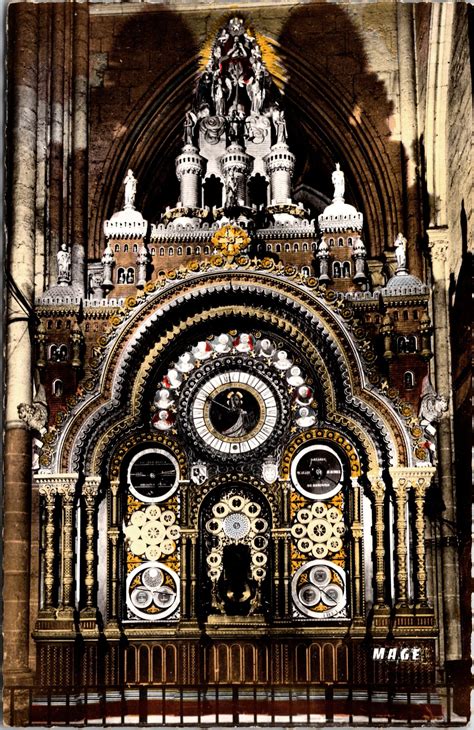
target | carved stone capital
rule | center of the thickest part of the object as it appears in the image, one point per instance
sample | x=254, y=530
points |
x=90, y=489
x=411, y=477
x=49, y=493
x=438, y=244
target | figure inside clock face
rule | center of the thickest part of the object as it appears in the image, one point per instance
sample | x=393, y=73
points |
x=234, y=412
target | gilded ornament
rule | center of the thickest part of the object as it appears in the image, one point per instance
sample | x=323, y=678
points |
x=230, y=240
x=421, y=454
x=130, y=302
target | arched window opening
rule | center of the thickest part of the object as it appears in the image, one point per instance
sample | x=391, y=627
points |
x=120, y=276
x=278, y=248
x=331, y=242
x=409, y=380
x=117, y=247
x=349, y=241
x=295, y=247
x=405, y=314
x=130, y=275
x=179, y=251
x=171, y=251
x=340, y=242
x=162, y=251
x=411, y=344
x=135, y=248
x=125, y=248
x=305, y=270
x=346, y=270
x=258, y=190
x=305, y=247
x=415, y=314
x=336, y=270
x=188, y=251
x=401, y=344
x=206, y=250
x=269, y=246
x=58, y=388
x=212, y=188
x=153, y=251
x=197, y=250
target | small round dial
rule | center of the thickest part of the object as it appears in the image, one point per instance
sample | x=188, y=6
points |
x=234, y=412
x=152, y=475
x=317, y=472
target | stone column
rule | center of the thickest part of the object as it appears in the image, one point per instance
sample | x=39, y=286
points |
x=409, y=132
x=438, y=240
x=189, y=168
x=192, y=572
x=113, y=533
x=420, y=485
x=67, y=492
x=401, y=489
x=49, y=501
x=357, y=532
x=88, y=619
x=80, y=77
x=381, y=610
x=22, y=123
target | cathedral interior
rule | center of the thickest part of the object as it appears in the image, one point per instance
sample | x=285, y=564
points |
x=236, y=463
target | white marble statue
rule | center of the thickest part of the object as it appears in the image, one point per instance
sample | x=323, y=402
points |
x=401, y=252
x=338, y=182
x=280, y=125
x=130, y=184
x=64, y=265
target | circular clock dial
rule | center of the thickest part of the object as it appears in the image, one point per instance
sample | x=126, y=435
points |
x=234, y=412
x=152, y=475
x=317, y=472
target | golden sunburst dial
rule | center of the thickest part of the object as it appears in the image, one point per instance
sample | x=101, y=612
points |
x=230, y=240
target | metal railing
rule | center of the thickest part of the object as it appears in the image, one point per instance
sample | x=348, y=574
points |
x=229, y=705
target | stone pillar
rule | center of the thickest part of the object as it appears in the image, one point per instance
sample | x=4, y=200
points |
x=438, y=240
x=401, y=488
x=80, y=77
x=280, y=164
x=189, y=169
x=380, y=607
x=23, y=30
x=48, y=493
x=90, y=491
x=357, y=532
x=420, y=485
x=67, y=492
x=409, y=131
x=113, y=533
x=192, y=572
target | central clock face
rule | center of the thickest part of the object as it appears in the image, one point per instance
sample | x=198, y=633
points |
x=234, y=412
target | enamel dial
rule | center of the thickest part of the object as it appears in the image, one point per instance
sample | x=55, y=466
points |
x=234, y=412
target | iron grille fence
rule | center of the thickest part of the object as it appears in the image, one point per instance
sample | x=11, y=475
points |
x=230, y=705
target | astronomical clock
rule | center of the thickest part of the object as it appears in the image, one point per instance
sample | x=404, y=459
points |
x=238, y=481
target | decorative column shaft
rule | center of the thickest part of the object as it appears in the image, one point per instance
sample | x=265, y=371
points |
x=189, y=169
x=90, y=491
x=113, y=534
x=378, y=489
x=357, y=531
x=49, y=500
x=67, y=493
x=420, y=486
x=280, y=163
x=286, y=573
x=400, y=487
x=192, y=571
